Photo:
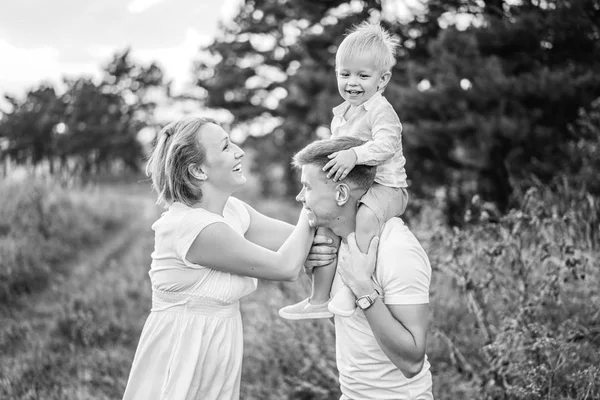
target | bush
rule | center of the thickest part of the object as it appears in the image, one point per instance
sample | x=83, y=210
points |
x=529, y=290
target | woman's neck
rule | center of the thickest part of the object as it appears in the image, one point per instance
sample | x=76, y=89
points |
x=213, y=202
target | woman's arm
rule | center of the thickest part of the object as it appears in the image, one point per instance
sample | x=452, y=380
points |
x=265, y=231
x=219, y=247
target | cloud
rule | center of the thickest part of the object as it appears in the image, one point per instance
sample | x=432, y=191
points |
x=28, y=67
x=176, y=61
x=138, y=6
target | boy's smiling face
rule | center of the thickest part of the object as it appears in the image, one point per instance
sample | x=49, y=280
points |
x=359, y=78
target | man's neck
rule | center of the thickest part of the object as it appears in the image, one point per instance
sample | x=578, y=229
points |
x=345, y=223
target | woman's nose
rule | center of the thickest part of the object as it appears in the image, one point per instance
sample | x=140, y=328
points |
x=239, y=153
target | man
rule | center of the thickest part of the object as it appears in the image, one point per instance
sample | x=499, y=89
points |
x=380, y=349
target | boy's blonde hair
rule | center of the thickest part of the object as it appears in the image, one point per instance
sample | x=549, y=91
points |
x=176, y=148
x=372, y=39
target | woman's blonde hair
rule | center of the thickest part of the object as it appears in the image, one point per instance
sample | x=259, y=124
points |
x=176, y=148
x=372, y=39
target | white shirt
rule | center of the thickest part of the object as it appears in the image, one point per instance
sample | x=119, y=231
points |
x=376, y=122
x=402, y=275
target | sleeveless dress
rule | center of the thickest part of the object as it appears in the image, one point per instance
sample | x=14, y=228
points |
x=192, y=342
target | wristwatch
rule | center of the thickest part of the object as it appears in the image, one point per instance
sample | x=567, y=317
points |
x=366, y=301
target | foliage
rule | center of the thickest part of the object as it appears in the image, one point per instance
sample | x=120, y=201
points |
x=485, y=108
x=90, y=126
x=529, y=282
x=276, y=60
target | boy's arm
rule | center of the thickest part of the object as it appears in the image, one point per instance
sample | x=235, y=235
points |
x=386, y=130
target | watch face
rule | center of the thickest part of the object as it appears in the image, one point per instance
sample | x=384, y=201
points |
x=363, y=302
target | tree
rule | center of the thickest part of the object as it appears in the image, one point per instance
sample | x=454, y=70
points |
x=29, y=128
x=486, y=107
x=500, y=95
x=276, y=61
x=90, y=126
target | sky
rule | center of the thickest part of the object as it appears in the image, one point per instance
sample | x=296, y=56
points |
x=46, y=40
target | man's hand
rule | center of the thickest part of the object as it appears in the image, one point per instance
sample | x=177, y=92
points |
x=340, y=164
x=322, y=252
x=356, y=268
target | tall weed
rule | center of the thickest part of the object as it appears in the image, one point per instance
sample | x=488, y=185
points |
x=528, y=283
x=43, y=227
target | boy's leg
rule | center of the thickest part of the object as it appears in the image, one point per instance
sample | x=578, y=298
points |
x=367, y=227
x=323, y=276
x=316, y=305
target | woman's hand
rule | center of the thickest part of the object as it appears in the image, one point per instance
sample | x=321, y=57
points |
x=356, y=268
x=322, y=252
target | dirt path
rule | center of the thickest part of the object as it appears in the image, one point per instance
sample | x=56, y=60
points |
x=27, y=370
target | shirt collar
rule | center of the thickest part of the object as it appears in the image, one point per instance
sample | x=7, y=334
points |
x=367, y=105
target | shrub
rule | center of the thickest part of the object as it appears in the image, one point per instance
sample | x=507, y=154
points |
x=529, y=282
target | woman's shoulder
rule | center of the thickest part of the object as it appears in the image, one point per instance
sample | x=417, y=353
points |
x=179, y=216
x=237, y=208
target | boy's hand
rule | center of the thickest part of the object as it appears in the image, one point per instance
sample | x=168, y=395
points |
x=341, y=164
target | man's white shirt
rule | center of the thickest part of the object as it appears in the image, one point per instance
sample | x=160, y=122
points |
x=402, y=275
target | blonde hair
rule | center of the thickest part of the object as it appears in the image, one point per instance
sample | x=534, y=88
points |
x=371, y=39
x=176, y=148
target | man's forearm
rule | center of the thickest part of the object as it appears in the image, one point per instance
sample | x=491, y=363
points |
x=402, y=347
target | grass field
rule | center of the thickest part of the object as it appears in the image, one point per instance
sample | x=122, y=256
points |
x=72, y=334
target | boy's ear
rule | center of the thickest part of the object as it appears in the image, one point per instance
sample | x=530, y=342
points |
x=384, y=80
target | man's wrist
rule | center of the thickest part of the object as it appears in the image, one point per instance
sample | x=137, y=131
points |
x=365, y=302
x=362, y=288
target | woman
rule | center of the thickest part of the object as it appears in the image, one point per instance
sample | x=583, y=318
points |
x=209, y=250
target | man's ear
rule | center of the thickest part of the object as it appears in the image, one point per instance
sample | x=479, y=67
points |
x=384, y=80
x=342, y=193
x=197, y=172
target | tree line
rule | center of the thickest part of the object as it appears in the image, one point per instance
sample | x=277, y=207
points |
x=88, y=127
x=490, y=93
x=488, y=107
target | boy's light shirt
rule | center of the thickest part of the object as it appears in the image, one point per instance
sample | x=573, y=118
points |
x=375, y=121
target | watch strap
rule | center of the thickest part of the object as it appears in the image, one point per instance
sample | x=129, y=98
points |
x=371, y=298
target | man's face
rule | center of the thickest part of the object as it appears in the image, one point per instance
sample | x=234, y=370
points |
x=318, y=196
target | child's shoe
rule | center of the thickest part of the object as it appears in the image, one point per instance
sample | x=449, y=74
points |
x=342, y=302
x=305, y=310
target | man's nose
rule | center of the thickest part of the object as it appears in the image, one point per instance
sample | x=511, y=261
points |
x=300, y=197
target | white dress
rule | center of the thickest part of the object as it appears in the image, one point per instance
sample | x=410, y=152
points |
x=192, y=343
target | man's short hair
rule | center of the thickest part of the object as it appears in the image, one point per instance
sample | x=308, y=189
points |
x=318, y=151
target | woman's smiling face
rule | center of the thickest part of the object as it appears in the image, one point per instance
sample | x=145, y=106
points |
x=223, y=163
